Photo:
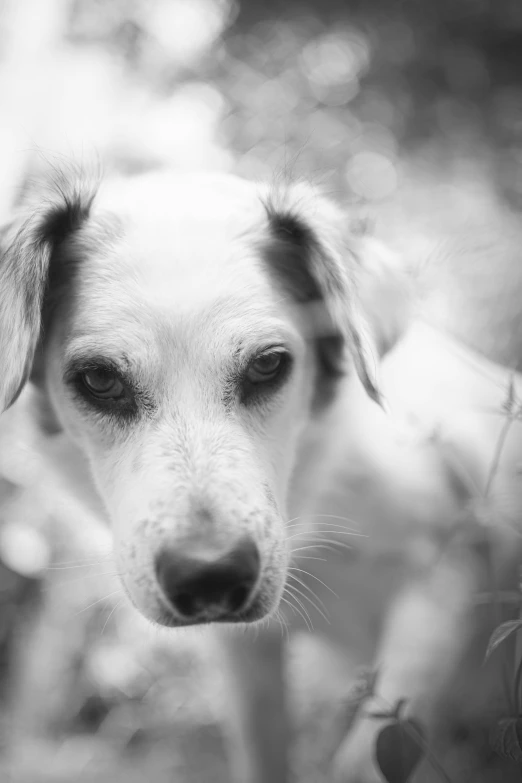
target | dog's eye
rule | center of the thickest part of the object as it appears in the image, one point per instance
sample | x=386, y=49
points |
x=266, y=367
x=103, y=384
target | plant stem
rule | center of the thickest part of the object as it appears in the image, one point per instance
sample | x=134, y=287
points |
x=423, y=743
x=497, y=614
x=495, y=462
x=518, y=682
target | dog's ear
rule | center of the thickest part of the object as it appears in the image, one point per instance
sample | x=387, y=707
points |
x=319, y=260
x=385, y=292
x=27, y=249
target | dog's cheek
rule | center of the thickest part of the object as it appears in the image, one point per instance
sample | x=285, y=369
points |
x=137, y=578
x=133, y=531
x=279, y=437
x=59, y=398
x=122, y=497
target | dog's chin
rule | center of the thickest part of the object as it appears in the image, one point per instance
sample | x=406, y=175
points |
x=259, y=609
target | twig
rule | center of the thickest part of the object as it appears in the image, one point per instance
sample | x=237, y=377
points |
x=435, y=763
x=501, y=442
x=518, y=681
x=512, y=412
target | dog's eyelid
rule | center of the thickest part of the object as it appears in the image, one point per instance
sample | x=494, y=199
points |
x=82, y=364
x=270, y=349
x=277, y=345
x=248, y=357
x=253, y=389
x=78, y=368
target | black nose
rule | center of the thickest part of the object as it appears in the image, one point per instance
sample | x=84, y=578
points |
x=203, y=586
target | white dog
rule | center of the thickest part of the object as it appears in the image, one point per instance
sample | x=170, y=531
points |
x=211, y=346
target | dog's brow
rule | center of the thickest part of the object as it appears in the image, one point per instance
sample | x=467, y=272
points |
x=96, y=354
x=258, y=337
x=119, y=344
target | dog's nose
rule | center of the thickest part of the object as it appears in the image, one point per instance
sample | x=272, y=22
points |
x=201, y=586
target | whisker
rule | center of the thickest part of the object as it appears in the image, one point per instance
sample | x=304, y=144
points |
x=314, y=547
x=114, y=608
x=70, y=567
x=320, y=516
x=351, y=533
x=322, y=544
x=314, y=539
x=307, y=598
x=300, y=609
x=286, y=602
x=98, y=601
x=282, y=624
x=319, y=526
x=84, y=561
x=307, y=587
x=313, y=576
x=79, y=579
x=309, y=523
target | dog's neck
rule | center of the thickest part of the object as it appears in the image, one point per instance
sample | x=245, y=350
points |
x=397, y=468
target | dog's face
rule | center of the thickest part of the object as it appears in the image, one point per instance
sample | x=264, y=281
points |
x=191, y=327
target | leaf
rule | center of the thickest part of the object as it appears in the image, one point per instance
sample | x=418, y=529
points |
x=398, y=750
x=509, y=402
x=362, y=689
x=505, y=739
x=501, y=633
x=392, y=714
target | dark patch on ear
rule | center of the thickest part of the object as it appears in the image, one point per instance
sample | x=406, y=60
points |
x=293, y=250
x=64, y=219
x=292, y=261
x=27, y=270
x=296, y=264
x=58, y=224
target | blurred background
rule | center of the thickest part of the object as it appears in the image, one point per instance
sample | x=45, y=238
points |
x=368, y=98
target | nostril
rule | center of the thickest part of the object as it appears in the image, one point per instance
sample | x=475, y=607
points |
x=238, y=597
x=185, y=604
x=196, y=586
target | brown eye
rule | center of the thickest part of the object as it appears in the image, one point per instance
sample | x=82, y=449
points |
x=266, y=367
x=103, y=384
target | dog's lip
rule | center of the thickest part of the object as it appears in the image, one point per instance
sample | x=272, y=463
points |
x=256, y=610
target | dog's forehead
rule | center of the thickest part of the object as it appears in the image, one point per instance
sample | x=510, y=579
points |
x=187, y=237
x=200, y=198
x=187, y=264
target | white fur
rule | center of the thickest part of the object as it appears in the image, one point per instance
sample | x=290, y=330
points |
x=179, y=290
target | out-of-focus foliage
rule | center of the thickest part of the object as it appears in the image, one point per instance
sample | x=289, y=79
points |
x=341, y=92
x=333, y=89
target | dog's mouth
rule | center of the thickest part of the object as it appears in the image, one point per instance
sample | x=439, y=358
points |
x=257, y=608
x=200, y=582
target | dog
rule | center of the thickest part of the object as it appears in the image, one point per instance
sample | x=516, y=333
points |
x=249, y=382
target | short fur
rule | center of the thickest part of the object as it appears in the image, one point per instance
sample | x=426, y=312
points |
x=176, y=280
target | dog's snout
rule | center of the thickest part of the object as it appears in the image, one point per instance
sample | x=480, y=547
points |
x=202, y=586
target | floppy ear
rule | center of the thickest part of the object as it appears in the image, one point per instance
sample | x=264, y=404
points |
x=316, y=257
x=385, y=291
x=28, y=247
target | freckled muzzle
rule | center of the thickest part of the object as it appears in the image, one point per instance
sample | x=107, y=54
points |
x=204, y=586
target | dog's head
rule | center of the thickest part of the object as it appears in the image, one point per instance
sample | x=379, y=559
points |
x=185, y=330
